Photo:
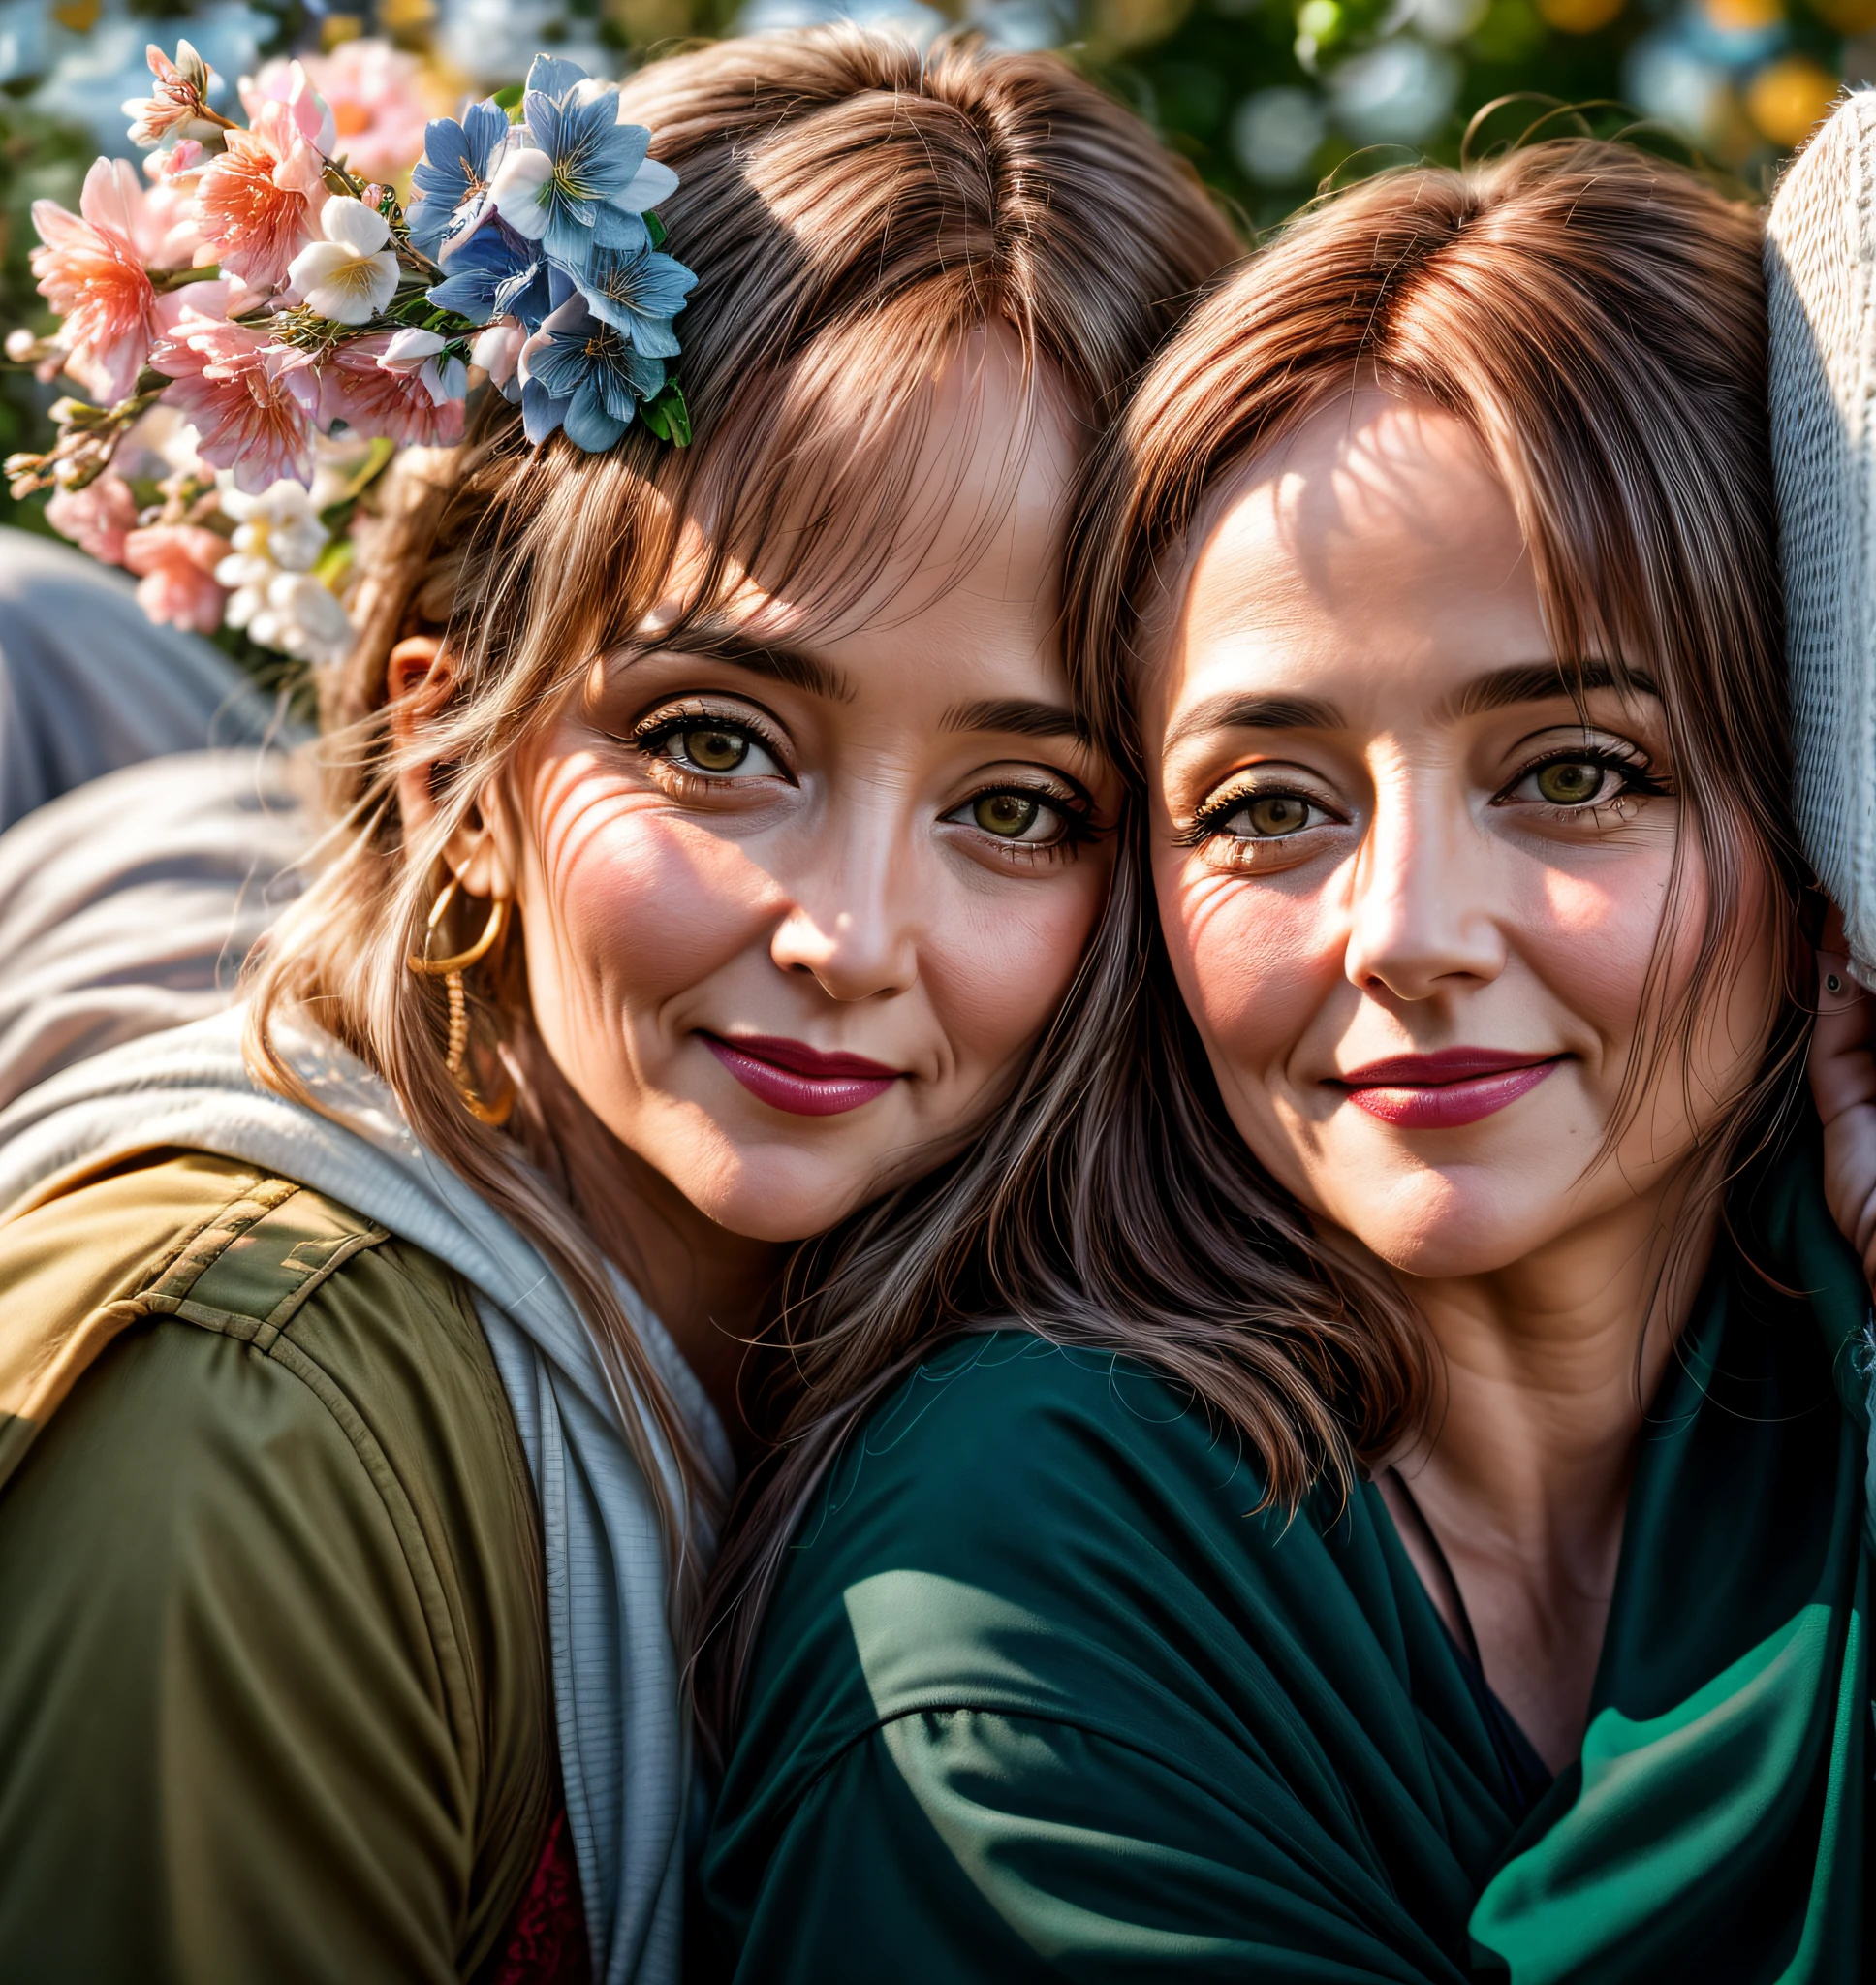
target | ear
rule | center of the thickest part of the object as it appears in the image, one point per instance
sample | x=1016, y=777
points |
x=418, y=684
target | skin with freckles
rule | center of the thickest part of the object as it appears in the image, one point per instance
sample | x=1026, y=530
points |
x=1413, y=893
x=800, y=892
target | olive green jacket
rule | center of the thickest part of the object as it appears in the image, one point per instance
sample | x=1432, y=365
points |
x=274, y=1697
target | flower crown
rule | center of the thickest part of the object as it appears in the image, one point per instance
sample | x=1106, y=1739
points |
x=270, y=295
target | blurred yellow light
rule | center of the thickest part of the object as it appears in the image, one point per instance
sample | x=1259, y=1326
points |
x=337, y=28
x=1788, y=99
x=406, y=17
x=79, y=15
x=1743, y=16
x=1579, y=17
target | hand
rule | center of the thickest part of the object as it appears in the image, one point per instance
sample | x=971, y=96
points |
x=1843, y=1084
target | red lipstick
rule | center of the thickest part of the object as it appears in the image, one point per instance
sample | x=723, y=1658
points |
x=1442, y=1091
x=789, y=1075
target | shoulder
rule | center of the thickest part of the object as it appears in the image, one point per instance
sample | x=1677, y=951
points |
x=195, y=1353
x=238, y=1253
x=1041, y=1590
x=999, y=1446
x=193, y=1295
x=1011, y=1529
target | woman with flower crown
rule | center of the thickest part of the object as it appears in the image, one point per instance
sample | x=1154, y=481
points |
x=714, y=843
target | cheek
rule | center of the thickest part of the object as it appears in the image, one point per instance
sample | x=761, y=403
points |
x=636, y=905
x=999, y=967
x=1254, y=961
x=1591, y=938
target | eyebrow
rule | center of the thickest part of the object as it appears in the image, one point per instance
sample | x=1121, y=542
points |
x=1234, y=712
x=1020, y=715
x=1526, y=683
x=716, y=640
x=1544, y=682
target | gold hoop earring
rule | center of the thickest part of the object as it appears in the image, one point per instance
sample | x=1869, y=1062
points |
x=451, y=970
x=459, y=961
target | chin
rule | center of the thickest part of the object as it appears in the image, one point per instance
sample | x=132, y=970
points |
x=1432, y=1225
x=776, y=1196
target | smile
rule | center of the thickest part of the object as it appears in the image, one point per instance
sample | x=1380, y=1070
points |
x=1442, y=1091
x=789, y=1075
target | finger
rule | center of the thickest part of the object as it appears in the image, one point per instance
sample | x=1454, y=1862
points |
x=1843, y=1055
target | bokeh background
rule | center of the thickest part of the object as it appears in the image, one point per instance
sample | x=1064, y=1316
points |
x=1268, y=98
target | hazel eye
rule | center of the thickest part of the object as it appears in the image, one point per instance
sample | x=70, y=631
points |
x=1275, y=815
x=1571, y=781
x=713, y=748
x=1021, y=817
x=1263, y=817
x=1008, y=815
x=710, y=747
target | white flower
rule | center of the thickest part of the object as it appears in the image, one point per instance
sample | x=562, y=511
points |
x=351, y=275
x=422, y=352
x=497, y=350
x=277, y=530
x=514, y=192
x=293, y=612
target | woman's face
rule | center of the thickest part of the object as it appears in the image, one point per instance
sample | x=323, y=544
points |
x=799, y=898
x=1411, y=894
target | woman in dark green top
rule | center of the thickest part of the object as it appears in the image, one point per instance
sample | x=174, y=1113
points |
x=1418, y=1530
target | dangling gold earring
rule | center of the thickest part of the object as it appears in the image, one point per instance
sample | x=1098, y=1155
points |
x=451, y=970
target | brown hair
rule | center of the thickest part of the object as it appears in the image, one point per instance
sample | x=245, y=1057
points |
x=853, y=211
x=1597, y=317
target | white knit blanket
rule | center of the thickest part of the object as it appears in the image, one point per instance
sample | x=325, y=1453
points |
x=1821, y=276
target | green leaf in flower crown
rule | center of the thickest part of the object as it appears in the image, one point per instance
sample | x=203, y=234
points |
x=666, y=416
x=655, y=228
x=509, y=98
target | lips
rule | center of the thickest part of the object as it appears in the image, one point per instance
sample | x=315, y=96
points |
x=789, y=1075
x=1442, y=1091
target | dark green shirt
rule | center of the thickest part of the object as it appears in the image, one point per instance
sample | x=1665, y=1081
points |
x=1040, y=1696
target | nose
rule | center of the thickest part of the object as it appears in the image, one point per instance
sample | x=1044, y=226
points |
x=1425, y=920
x=853, y=921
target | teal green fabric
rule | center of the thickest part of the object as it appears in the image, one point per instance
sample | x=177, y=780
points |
x=1039, y=1697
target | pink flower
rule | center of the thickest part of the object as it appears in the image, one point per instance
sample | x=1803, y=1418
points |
x=238, y=391
x=97, y=518
x=176, y=104
x=182, y=160
x=175, y=563
x=256, y=204
x=354, y=385
x=90, y=270
x=378, y=115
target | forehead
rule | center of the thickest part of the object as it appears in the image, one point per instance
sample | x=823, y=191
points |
x=1373, y=555
x=941, y=547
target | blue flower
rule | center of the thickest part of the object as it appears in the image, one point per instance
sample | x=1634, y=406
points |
x=579, y=373
x=582, y=178
x=452, y=178
x=638, y=293
x=491, y=272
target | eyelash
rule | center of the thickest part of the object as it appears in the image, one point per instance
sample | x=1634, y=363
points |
x=1632, y=768
x=1074, y=810
x=1208, y=822
x=653, y=733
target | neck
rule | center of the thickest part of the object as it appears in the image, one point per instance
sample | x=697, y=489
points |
x=711, y=1289
x=1547, y=1367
